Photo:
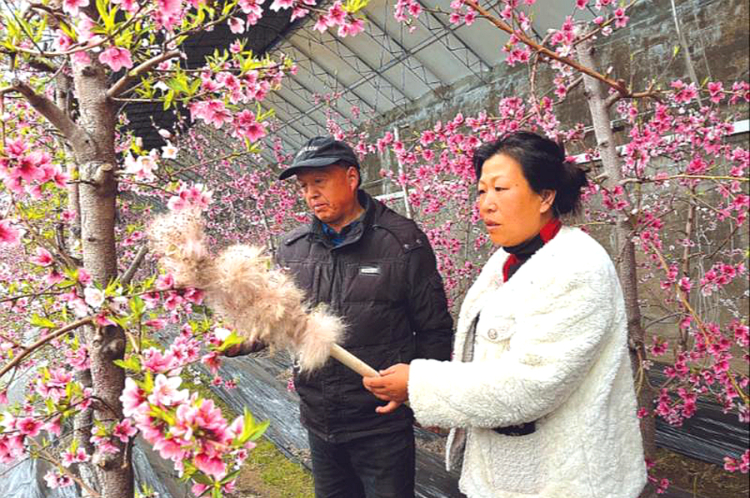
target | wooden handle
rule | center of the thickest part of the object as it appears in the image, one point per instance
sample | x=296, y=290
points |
x=353, y=362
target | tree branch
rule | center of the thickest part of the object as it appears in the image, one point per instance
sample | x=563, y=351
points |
x=617, y=85
x=51, y=112
x=128, y=275
x=122, y=84
x=53, y=335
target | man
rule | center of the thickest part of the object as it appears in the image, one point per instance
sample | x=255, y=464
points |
x=377, y=270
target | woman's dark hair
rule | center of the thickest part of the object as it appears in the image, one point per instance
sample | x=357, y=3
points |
x=543, y=164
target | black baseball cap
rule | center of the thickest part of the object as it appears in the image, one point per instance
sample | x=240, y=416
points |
x=320, y=152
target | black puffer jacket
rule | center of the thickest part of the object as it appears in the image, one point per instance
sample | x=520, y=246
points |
x=384, y=282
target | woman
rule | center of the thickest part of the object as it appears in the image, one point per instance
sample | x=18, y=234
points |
x=540, y=391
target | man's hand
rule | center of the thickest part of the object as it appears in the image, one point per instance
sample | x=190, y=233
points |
x=245, y=347
x=391, y=386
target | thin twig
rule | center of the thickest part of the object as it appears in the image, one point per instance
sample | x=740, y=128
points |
x=47, y=338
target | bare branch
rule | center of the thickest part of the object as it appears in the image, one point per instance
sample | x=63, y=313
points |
x=52, y=335
x=51, y=112
x=122, y=84
x=612, y=99
x=44, y=454
x=617, y=85
x=625, y=181
x=128, y=275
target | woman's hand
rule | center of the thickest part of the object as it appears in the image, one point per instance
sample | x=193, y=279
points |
x=391, y=386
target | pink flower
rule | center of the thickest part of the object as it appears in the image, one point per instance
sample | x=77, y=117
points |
x=164, y=282
x=63, y=42
x=165, y=391
x=54, y=277
x=170, y=449
x=716, y=90
x=321, y=24
x=211, y=465
x=53, y=426
x=127, y=5
x=199, y=489
x=169, y=7
x=94, y=297
x=124, y=431
x=78, y=456
x=8, y=234
x=298, y=13
x=352, y=29
x=29, y=426
x=236, y=25
x=81, y=58
x=72, y=6
x=133, y=398
x=116, y=58
x=158, y=362
x=281, y=4
x=101, y=320
x=212, y=361
x=84, y=277
x=336, y=15
x=246, y=126
x=27, y=169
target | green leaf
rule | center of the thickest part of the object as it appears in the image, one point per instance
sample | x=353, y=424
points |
x=230, y=477
x=150, y=280
x=194, y=87
x=251, y=431
x=122, y=321
x=676, y=51
x=202, y=478
x=131, y=363
x=232, y=340
x=352, y=6
x=137, y=305
x=162, y=414
x=148, y=382
x=168, y=99
x=42, y=322
x=227, y=7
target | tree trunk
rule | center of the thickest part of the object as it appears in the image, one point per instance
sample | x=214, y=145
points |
x=83, y=421
x=624, y=247
x=97, y=202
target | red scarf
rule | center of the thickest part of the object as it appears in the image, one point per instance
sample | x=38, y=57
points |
x=547, y=233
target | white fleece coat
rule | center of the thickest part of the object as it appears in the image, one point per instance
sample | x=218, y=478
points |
x=550, y=347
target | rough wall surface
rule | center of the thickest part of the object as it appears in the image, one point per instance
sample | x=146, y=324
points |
x=716, y=32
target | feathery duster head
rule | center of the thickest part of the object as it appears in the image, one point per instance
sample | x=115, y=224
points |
x=180, y=241
x=323, y=331
x=261, y=303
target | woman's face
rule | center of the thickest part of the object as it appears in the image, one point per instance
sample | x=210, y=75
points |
x=512, y=212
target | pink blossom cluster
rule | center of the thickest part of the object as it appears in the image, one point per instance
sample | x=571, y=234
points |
x=336, y=15
x=55, y=478
x=27, y=171
x=62, y=397
x=300, y=8
x=194, y=196
x=720, y=275
x=741, y=464
x=185, y=428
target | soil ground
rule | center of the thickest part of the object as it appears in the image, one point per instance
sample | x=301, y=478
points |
x=269, y=474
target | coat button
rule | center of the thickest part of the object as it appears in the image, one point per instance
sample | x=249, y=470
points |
x=492, y=334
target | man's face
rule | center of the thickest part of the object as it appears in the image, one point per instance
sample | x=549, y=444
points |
x=330, y=193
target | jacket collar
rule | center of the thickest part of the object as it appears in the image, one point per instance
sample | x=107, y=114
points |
x=317, y=233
